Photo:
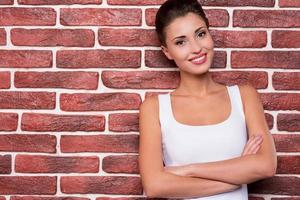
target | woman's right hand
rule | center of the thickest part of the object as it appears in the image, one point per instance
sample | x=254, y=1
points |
x=252, y=145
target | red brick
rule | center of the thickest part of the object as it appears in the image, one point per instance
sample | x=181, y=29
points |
x=2, y=36
x=285, y=39
x=265, y=59
x=6, y=2
x=276, y=186
x=266, y=18
x=140, y=79
x=99, y=143
x=53, y=37
x=27, y=100
x=115, y=58
x=56, y=164
x=259, y=3
x=27, y=185
x=46, y=198
x=2, y=198
x=288, y=165
x=287, y=142
x=239, y=39
x=217, y=17
x=288, y=122
x=286, y=80
x=156, y=59
x=58, y=2
x=28, y=143
x=135, y=2
x=270, y=120
x=11, y=121
x=123, y=122
x=100, y=101
x=101, y=185
x=51, y=122
x=286, y=198
x=27, y=17
x=281, y=101
x=5, y=164
x=121, y=164
x=256, y=198
x=25, y=58
x=4, y=80
x=128, y=37
x=289, y=3
x=258, y=79
x=69, y=80
x=100, y=17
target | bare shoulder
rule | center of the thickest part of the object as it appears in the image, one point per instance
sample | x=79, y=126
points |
x=149, y=104
x=249, y=94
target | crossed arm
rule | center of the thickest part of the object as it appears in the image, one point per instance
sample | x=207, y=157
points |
x=257, y=161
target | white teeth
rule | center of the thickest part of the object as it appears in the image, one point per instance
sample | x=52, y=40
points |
x=199, y=59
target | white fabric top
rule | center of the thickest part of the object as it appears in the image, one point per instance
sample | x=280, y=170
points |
x=184, y=144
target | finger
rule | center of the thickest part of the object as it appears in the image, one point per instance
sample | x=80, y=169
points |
x=249, y=144
x=257, y=142
x=252, y=143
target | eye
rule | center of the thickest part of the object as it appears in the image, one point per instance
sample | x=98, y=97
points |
x=201, y=34
x=179, y=43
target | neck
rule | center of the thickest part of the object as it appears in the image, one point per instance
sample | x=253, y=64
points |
x=195, y=85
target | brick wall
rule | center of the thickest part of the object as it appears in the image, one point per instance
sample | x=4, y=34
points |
x=73, y=73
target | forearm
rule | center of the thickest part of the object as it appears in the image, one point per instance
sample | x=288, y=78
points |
x=167, y=185
x=241, y=170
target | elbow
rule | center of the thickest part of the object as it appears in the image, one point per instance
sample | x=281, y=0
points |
x=151, y=190
x=270, y=169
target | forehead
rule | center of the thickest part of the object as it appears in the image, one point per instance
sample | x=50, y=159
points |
x=184, y=25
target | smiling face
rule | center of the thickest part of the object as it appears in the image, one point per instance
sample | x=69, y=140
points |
x=189, y=44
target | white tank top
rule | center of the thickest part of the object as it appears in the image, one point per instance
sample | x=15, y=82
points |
x=184, y=144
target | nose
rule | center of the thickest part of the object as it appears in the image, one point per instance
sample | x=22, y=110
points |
x=195, y=47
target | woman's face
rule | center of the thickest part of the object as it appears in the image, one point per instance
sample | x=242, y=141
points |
x=189, y=44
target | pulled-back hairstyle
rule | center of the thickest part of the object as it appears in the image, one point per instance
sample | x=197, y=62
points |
x=172, y=9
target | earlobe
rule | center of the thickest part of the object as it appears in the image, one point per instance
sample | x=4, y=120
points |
x=166, y=52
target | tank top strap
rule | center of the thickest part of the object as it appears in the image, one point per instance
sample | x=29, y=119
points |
x=165, y=109
x=236, y=100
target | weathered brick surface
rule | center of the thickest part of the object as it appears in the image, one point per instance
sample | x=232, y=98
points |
x=101, y=185
x=11, y=121
x=123, y=122
x=229, y=3
x=25, y=58
x=135, y=2
x=6, y=2
x=287, y=142
x=265, y=59
x=52, y=122
x=27, y=17
x=266, y=18
x=4, y=80
x=27, y=100
x=29, y=185
x=58, y=2
x=100, y=102
x=288, y=122
x=115, y=58
x=47, y=198
x=121, y=164
x=286, y=80
x=285, y=39
x=100, y=143
x=129, y=37
x=53, y=37
x=289, y=3
x=288, y=165
x=100, y=17
x=5, y=164
x=2, y=36
x=281, y=101
x=56, y=164
x=62, y=79
x=28, y=143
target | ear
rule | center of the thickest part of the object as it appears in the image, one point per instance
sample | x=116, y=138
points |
x=166, y=52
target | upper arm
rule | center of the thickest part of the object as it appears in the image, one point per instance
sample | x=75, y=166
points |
x=256, y=124
x=150, y=148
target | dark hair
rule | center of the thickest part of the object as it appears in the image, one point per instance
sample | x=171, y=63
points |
x=172, y=9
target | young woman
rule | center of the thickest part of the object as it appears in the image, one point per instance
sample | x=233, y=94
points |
x=203, y=140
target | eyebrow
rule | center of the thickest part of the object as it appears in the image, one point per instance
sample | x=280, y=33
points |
x=183, y=36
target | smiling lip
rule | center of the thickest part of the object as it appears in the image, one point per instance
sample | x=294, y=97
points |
x=199, y=59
